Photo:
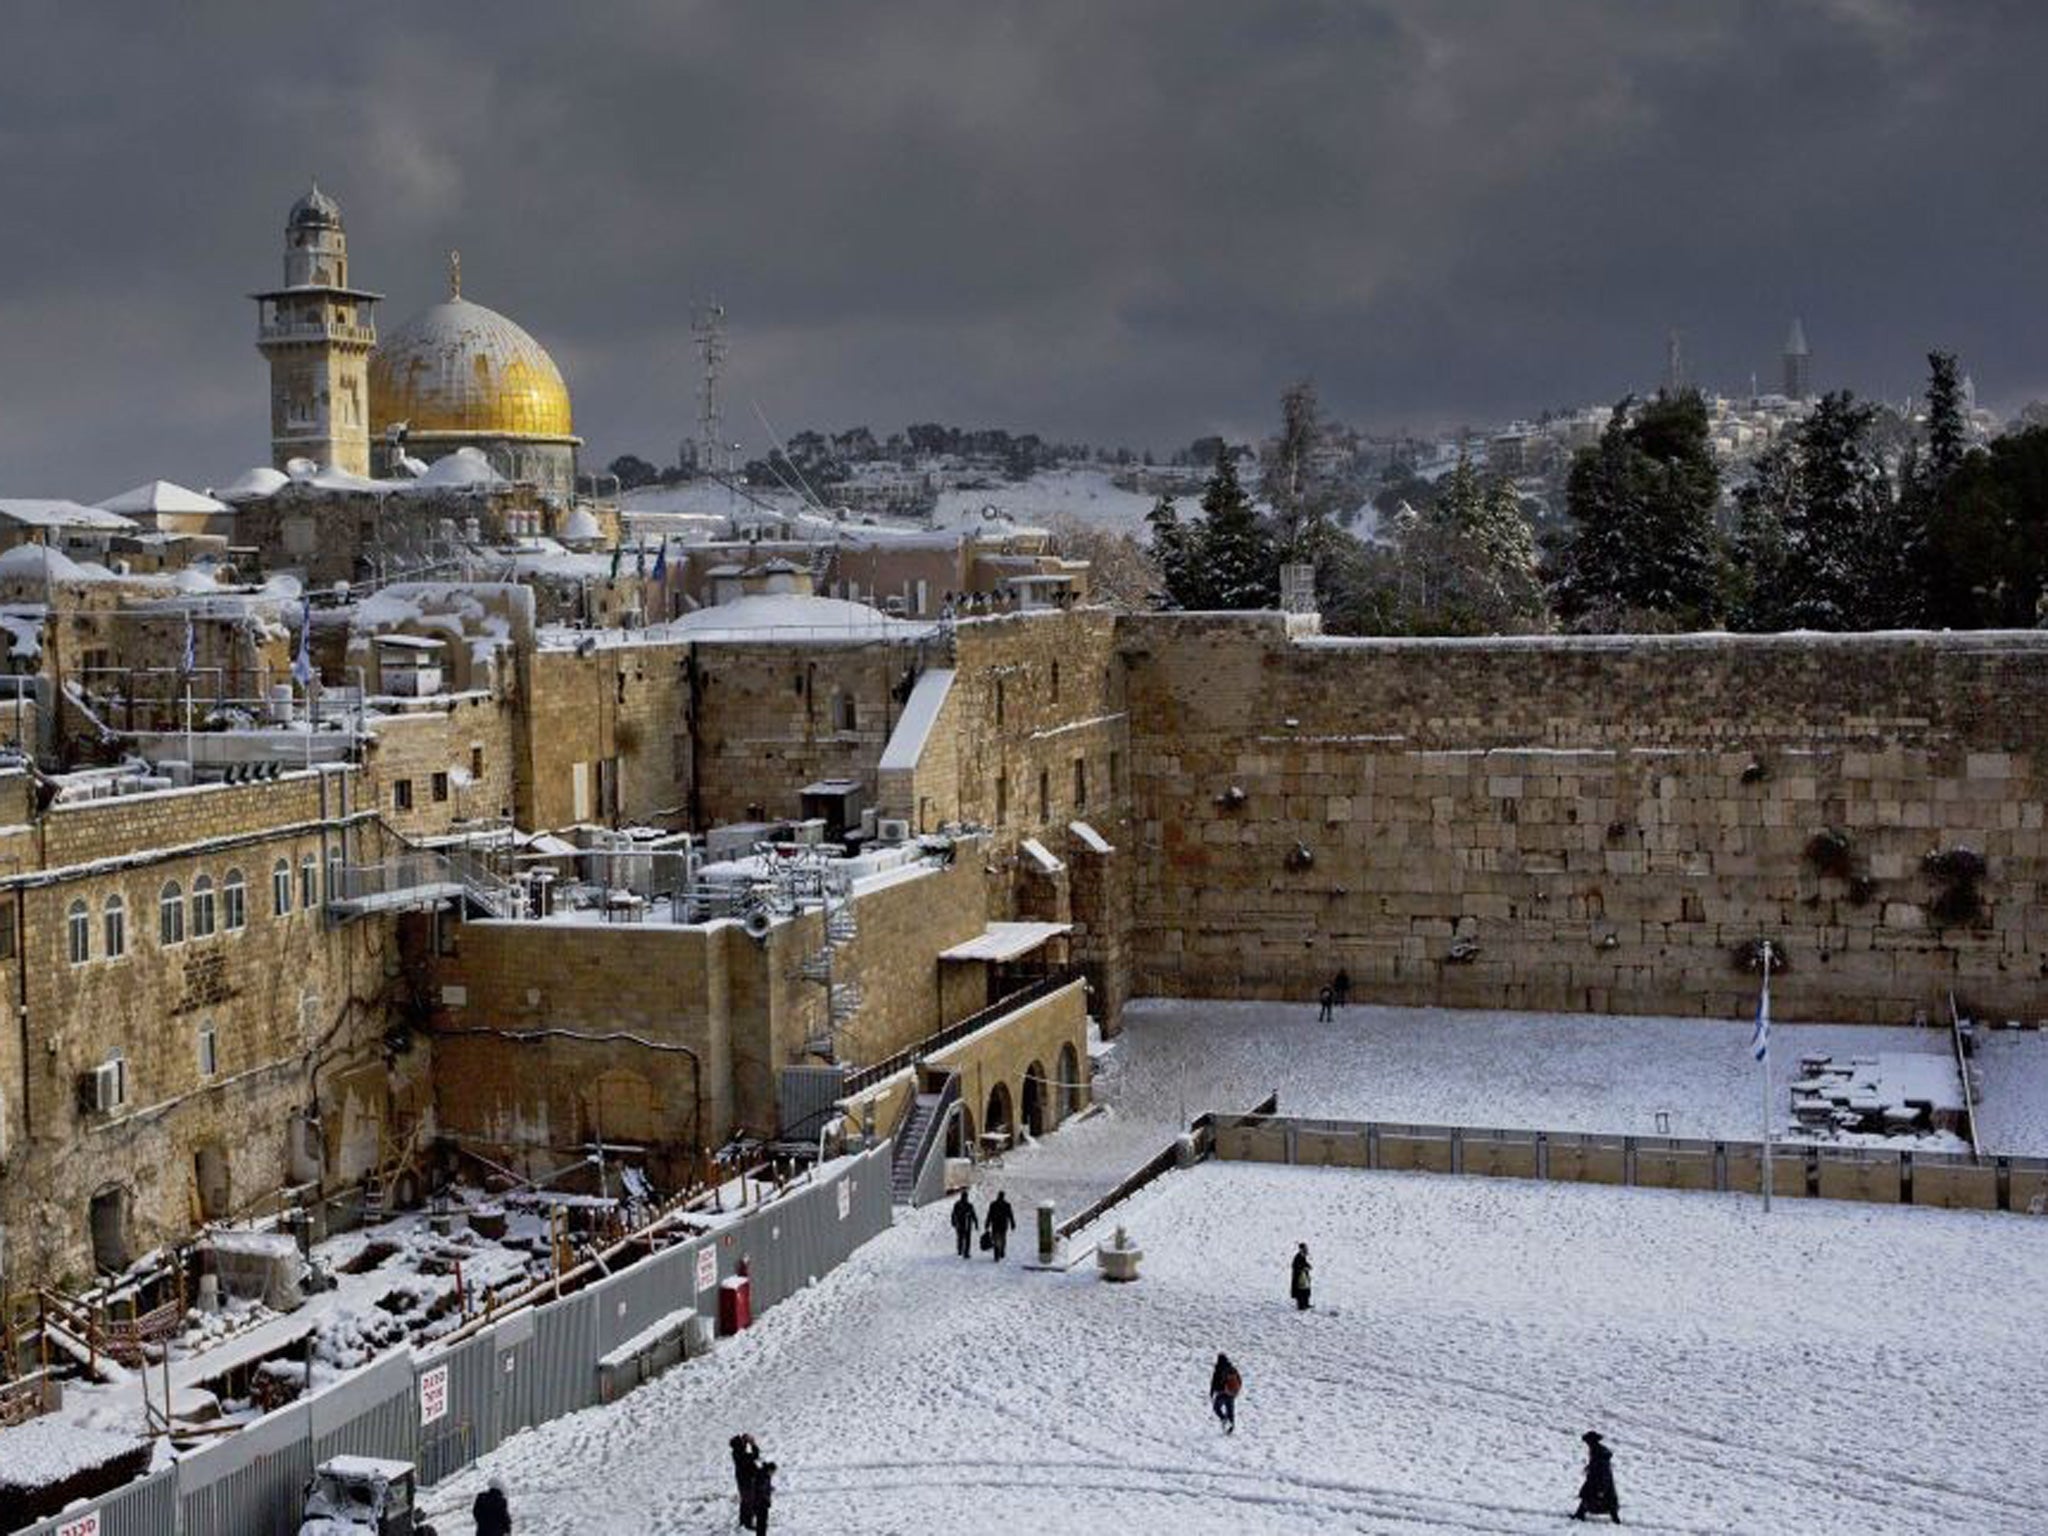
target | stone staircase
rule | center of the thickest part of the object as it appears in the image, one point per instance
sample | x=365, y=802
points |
x=918, y=1138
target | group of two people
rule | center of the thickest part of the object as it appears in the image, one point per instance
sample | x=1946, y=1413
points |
x=995, y=1231
x=756, y=1480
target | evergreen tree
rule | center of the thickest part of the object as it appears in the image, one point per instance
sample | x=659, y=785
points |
x=1947, y=432
x=1171, y=539
x=1643, y=548
x=1765, y=507
x=1302, y=498
x=1989, y=537
x=1831, y=571
x=1240, y=565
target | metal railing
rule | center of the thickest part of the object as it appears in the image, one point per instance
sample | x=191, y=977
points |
x=421, y=874
x=1045, y=986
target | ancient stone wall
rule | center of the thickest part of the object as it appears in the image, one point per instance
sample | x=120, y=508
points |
x=1594, y=824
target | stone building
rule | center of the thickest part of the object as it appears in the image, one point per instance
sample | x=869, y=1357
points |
x=316, y=332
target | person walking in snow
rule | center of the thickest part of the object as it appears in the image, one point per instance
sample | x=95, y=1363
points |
x=1002, y=1221
x=1326, y=997
x=964, y=1223
x=764, y=1497
x=746, y=1457
x=1224, y=1385
x=491, y=1513
x=1597, y=1495
x=1342, y=987
x=1298, y=1281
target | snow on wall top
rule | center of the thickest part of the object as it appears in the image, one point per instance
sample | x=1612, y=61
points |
x=914, y=726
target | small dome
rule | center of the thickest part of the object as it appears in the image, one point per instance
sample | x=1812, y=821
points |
x=460, y=367
x=315, y=209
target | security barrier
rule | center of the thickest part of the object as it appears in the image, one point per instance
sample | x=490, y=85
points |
x=443, y=1408
x=1799, y=1170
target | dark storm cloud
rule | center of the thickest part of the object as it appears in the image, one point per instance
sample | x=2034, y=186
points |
x=1122, y=222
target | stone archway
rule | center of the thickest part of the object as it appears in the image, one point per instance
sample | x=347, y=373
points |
x=960, y=1132
x=1069, y=1091
x=1000, y=1118
x=1037, y=1100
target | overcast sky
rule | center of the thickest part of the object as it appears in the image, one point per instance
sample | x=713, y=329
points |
x=1110, y=220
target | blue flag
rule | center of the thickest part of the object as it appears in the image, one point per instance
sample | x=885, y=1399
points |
x=661, y=559
x=1760, y=1042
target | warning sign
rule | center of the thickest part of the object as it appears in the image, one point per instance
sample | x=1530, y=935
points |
x=433, y=1395
x=707, y=1269
x=84, y=1525
x=845, y=1198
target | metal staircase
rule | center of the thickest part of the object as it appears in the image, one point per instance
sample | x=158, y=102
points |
x=842, y=998
x=919, y=1139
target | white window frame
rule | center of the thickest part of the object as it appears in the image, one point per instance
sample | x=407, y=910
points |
x=114, y=926
x=78, y=931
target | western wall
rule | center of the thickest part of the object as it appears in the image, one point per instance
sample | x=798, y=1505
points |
x=1599, y=824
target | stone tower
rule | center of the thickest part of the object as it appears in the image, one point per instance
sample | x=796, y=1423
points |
x=1798, y=364
x=317, y=333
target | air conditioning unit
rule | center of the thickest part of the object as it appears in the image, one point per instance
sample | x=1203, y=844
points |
x=99, y=1091
x=892, y=829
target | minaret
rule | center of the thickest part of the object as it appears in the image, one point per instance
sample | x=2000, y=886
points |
x=1798, y=364
x=317, y=333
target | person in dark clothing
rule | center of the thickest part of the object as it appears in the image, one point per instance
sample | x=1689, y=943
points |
x=1326, y=997
x=1224, y=1385
x=964, y=1223
x=1298, y=1282
x=746, y=1457
x=1002, y=1221
x=1342, y=987
x=1597, y=1495
x=492, y=1511
x=764, y=1496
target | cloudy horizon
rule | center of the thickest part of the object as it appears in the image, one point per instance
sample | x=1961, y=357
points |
x=1128, y=225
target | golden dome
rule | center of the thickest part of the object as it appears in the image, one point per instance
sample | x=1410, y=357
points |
x=459, y=367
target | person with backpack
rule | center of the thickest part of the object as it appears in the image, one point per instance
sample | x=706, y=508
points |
x=764, y=1496
x=746, y=1457
x=1224, y=1385
x=1298, y=1279
x=1002, y=1221
x=964, y=1223
x=1325, y=999
x=1597, y=1495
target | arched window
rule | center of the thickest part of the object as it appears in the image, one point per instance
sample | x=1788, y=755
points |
x=281, y=887
x=115, y=923
x=309, y=882
x=170, y=914
x=78, y=932
x=234, y=902
x=202, y=907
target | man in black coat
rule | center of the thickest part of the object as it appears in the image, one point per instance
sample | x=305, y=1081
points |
x=1324, y=1001
x=1002, y=1221
x=1224, y=1385
x=492, y=1511
x=1298, y=1281
x=764, y=1496
x=746, y=1457
x=964, y=1223
x=1597, y=1494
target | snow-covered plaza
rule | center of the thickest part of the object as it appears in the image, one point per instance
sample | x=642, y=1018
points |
x=1828, y=1367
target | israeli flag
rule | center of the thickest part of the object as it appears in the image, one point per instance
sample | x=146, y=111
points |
x=1760, y=1042
x=191, y=658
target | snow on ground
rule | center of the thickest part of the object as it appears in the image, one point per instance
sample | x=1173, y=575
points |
x=1435, y=1066
x=1466, y=1332
x=2012, y=1074
x=1085, y=495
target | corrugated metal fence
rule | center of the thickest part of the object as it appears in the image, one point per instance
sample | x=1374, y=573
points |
x=445, y=1408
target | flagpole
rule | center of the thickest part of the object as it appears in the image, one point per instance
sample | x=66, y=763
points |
x=1764, y=1015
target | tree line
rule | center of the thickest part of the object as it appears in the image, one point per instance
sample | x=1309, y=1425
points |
x=1845, y=523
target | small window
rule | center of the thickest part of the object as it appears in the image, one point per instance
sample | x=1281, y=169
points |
x=281, y=887
x=115, y=925
x=334, y=874
x=1080, y=783
x=119, y=1096
x=234, y=901
x=440, y=788
x=401, y=795
x=1044, y=795
x=1116, y=770
x=845, y=713
x=202, y=907
x=78, y=932
x=209, y=1051
x=170, y=914
x=309, y=882
x=1002, y=798
x=476, y=763
x=1055, y=682
x=999, y=701
x=6, y=930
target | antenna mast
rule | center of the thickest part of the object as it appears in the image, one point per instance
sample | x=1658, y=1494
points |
x=708, y=327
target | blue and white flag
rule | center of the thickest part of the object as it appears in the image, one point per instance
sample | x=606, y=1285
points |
x=191, y=657
x=661, y=559
x=302, y=664
x=1760, y=1042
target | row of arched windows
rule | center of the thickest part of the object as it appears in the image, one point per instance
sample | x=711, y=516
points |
x=200, y=914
